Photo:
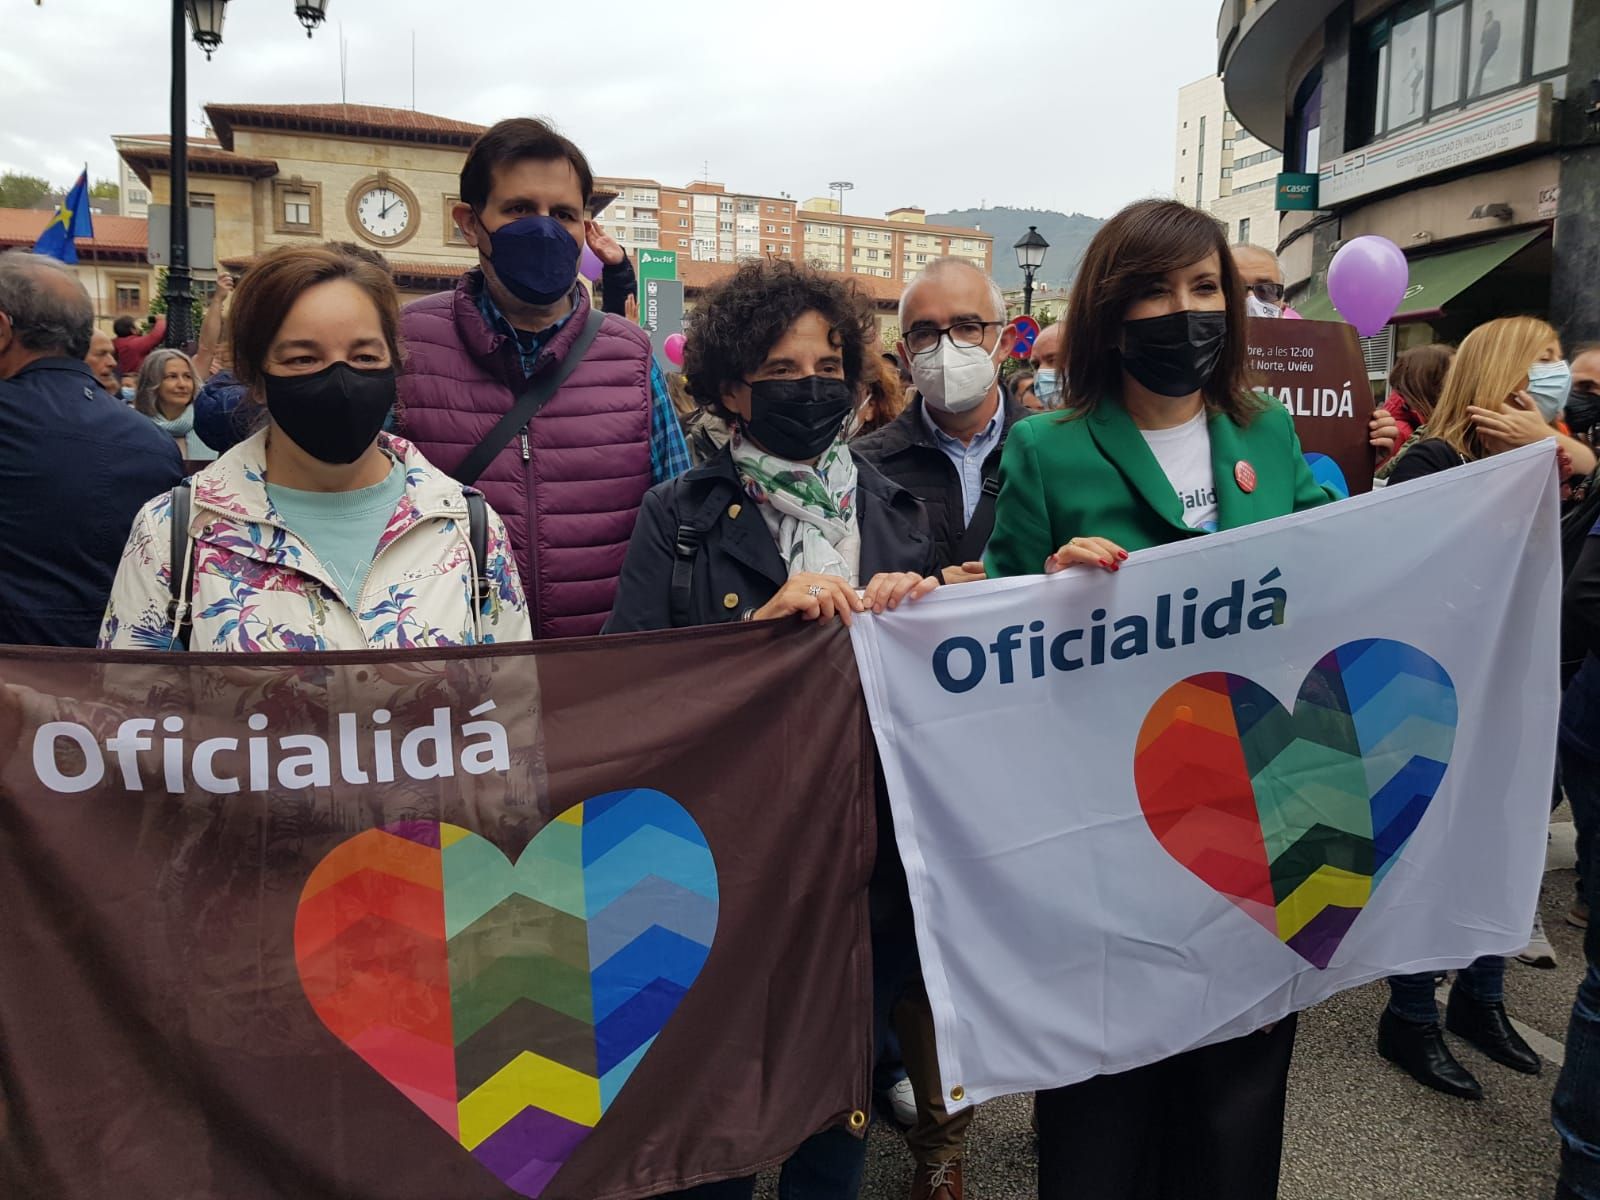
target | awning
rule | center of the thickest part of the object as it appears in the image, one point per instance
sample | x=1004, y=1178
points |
x=1435, y=279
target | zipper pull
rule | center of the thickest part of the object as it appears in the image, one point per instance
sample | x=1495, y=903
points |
x=523, y=438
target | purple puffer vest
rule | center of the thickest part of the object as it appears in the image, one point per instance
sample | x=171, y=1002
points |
x=570, y=486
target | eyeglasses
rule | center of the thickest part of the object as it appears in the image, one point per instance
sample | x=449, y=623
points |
x=1266, y=291
x=925, y=338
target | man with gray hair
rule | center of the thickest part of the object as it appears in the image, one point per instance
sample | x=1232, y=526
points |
x=76, y=464
x=945, y=448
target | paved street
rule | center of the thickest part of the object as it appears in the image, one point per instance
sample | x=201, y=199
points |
x=1358, y=1129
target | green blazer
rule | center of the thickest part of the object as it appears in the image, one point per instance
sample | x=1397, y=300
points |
x=1095, y=476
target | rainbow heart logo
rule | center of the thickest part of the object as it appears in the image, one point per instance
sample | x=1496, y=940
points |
x=511, y=1001
x=1298, y=817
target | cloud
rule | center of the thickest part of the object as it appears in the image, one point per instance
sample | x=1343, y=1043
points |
x=935, y=102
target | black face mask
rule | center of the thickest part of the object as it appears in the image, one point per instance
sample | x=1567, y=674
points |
x=1177, y=354
x=334, y=414
x=798, y=419
x=1583, y=411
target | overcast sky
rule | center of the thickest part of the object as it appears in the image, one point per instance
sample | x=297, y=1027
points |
x=1062, y=104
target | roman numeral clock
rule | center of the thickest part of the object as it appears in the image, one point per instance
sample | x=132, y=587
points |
x=383, y=210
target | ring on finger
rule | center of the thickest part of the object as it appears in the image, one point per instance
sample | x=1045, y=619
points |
x=814, y=590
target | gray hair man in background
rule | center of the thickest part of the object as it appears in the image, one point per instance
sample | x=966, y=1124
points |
x=76, y=464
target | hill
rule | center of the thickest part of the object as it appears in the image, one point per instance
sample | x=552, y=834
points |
x=1067, y=233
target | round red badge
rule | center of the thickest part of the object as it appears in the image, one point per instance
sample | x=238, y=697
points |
x=1245, y=476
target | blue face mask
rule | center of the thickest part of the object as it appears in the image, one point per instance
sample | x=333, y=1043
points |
x=1047, y=386
x=126, y=394
x=536, y=258
x=1548, y=384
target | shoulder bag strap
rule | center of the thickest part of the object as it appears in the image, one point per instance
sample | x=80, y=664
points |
x=180, y=608
x=976, y=538
x=535, y=397
x=478, y=539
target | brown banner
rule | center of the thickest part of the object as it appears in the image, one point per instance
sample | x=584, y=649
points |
x=577, y=920
x=1316, y=370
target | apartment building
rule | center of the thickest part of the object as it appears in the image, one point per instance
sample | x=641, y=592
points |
x=897, y=246
x=1220, y=166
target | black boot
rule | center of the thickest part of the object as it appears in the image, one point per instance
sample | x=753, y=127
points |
x=1419, y=1050
x=1488, y=1028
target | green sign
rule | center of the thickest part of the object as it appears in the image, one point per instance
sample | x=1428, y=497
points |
x=1296, y=192
x=656, y=264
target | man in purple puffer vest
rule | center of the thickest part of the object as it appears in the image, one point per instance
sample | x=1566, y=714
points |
x=570, y=483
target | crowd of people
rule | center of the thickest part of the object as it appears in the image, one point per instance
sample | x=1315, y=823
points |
x=505, y=461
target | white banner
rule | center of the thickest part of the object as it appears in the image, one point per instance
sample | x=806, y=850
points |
x=1147, y=811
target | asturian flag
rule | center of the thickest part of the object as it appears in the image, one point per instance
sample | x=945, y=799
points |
x=72, y=220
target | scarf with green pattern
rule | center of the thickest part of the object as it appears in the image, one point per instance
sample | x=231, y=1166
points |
x=811, y=511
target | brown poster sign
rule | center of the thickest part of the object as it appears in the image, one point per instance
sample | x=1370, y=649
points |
x=569, y=921
x=1316, y=370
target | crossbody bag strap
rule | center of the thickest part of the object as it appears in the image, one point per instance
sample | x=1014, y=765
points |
x=538, y=393
x=686, y=548
x=478, y=539
x=976, y=539
x=180, y=609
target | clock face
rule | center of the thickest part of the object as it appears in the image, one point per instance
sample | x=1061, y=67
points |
x=383, y=212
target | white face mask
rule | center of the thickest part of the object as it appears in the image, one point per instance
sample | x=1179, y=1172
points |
x=955, y=379
x=1260, y=308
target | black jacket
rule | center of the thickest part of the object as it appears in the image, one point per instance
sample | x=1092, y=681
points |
x=906, y=452
x=76, y=465
x=736, y=565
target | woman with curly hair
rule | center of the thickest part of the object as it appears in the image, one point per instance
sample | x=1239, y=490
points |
x=785, y=521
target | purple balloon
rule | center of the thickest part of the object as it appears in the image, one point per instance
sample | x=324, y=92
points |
x=1367, y=280
x=590, y=265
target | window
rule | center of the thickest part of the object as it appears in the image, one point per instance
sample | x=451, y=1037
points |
x=452, y=232
x=683, y=222
x=1200, y=172
x=202, y=200
x=725, y=206
x=771, y=249
x=772, y=229
x=922, y=258
x=644, y=237
x=138, y=196
x=1424, y=57
x=771, y=209
x=873, y=255
x=1305, y=137
x=724, y=226
x=683, y=202
x=1244, y=231
x=130, y=296
x=788, y=229
x=297, y=207
x=683, y=241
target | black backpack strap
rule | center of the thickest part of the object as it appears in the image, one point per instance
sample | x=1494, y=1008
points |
x=686, y=548
x=976, y=539
x=180, y=609
x=537, y=394
x=478, y=539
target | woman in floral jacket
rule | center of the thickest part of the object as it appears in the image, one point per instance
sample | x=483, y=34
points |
x=319, y=532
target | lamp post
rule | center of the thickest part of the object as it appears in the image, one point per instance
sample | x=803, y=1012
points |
x=206, y=16
x=841, y=187
x=1030, y=249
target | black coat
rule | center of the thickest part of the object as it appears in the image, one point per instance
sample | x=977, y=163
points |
x=76, y=465
x=737, y=567
x=906, y=452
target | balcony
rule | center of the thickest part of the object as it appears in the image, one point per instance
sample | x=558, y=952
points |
x=1256, y=42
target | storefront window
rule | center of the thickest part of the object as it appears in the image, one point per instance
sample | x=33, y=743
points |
x=1425, y=57
x=1305, y=133
x=1448, y=37
x=1496, y=45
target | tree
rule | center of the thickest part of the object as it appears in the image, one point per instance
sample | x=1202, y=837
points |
x=22, y=191
x=158, y=304
x=104, y=189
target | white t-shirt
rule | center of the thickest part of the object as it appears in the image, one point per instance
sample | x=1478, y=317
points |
x=1184, y=453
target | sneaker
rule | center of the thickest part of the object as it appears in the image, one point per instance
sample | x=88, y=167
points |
x=902, y=1104
x=1578, y=914
x=1539, y=953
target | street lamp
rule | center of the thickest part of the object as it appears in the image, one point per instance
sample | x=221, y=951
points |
x=206, y=16
x=312, y=13
x=841, y=187
x=1030, y=249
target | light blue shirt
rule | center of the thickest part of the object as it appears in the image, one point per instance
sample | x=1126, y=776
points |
x=969, y=458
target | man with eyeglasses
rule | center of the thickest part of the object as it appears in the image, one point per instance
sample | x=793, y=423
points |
x=945, y=447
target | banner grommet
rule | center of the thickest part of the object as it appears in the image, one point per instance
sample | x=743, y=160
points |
x=858, y=1120
x=958, y=1093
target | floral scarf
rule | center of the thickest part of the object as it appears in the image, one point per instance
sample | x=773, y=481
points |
x=811, y=511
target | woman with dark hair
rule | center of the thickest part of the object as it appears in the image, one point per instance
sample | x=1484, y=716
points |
x=319, y=532
x=1162, y=441
x=785, y=521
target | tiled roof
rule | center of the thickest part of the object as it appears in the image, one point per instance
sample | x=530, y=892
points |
x=351, y=120
x=204, y=159
x=112, y=235
x=698, y=276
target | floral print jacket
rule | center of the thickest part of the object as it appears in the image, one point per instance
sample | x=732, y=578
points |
x=257, y=587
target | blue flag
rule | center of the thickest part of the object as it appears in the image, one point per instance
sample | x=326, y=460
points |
x=72, y=221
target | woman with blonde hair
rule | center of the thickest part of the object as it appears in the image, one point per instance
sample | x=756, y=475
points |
x=1506, y=388
x=165, y=394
